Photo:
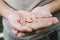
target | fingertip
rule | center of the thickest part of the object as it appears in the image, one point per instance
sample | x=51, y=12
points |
x=55, y=20
x=14, y=31
x=50, y=15
x=20, y=34
x=28, y=29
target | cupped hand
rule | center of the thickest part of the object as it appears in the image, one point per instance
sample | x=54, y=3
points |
x=17, y=21
x=37, y=25
x=44, y=16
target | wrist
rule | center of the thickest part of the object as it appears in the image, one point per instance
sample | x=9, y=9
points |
x=6, y=12
x=53, y=6
x=47, y=7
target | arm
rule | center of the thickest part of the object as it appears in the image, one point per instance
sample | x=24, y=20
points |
x=14, y=17
x=46, y=10
x=53, y=6
x=5, y=10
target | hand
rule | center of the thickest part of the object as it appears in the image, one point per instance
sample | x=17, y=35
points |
x=37, y=25
x=42, y=23
x=43, y=12
x=17, y=21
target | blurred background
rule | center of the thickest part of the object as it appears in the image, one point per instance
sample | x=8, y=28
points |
x=1, y=29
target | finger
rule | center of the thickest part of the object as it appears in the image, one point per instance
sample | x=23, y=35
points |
x=42, y=30
x=15, y=31
x=20, y=34
x=55, y=20
x=22, y=21
x=19, y=27
x=41, y=24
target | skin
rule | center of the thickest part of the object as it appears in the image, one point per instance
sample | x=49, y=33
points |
x=21, y=24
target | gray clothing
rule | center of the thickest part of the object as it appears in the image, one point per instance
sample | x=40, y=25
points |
x=22, y=4
x=27, y=5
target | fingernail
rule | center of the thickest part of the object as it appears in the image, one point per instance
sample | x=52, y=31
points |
x=29, y=30
x=21, y=35
x=55, y=20
x=14, y=31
